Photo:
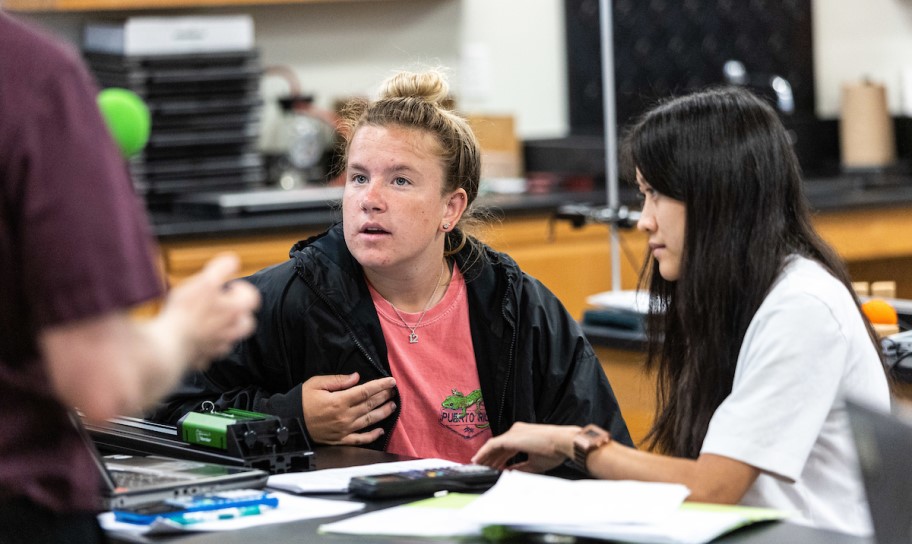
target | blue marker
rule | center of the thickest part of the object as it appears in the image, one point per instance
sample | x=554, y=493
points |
x=189, y=518
x=196, y=509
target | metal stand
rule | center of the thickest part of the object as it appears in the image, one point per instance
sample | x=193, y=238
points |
x=614, y=215
x=610, y=120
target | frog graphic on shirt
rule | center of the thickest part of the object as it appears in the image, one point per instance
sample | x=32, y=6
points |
x=464, y=414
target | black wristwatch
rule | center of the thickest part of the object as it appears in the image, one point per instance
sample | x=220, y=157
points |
x=590, y=438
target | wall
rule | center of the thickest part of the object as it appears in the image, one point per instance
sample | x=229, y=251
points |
x=514, y=49
x=858, y=38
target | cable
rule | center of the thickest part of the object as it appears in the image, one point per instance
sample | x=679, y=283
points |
x=895, y=364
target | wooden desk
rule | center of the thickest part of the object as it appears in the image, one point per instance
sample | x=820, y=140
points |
x=331, y=457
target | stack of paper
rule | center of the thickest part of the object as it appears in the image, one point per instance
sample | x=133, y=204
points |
x=520, y=498
x=620, y=511
x=692, y=523
x=632, y=301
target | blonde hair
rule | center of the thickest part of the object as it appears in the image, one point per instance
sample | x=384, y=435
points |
x=422, y=101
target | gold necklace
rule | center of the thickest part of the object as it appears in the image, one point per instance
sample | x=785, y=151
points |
x=413, y=336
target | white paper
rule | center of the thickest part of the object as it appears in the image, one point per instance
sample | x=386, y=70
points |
x=407, y=520
x=335, y=480
x=520, y=498
x=633, y=301
x=455, y=515
x=685, y=526
x=290, y=508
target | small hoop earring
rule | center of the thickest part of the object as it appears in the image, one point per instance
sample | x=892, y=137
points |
x=446, y=226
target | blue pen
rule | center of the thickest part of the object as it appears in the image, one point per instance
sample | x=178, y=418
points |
x=189, y=518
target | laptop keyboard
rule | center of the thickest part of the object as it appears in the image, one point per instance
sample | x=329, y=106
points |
x=133, y=480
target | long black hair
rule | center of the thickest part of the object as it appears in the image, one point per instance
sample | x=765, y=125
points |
x=726, y=155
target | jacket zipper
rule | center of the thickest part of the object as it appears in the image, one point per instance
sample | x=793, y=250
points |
x=359, y=345
x=503, y=395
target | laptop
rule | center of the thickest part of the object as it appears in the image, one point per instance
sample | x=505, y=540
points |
x=884, y=444
x=130, y=480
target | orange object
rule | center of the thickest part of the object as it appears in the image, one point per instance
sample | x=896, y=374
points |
x=879, y=312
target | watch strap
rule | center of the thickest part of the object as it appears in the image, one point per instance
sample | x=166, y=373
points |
x=590, y=438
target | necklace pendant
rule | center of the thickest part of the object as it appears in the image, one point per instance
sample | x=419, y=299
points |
x=413, y=338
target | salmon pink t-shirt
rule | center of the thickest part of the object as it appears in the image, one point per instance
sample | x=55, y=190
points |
x=442, y=412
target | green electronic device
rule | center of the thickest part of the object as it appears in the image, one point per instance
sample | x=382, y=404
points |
x=211, y=428
x=262, y=440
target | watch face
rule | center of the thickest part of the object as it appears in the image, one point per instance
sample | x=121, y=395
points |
x=590, y=438
x=581, y=448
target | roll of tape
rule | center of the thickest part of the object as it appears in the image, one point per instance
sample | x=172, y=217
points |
x=866, y=128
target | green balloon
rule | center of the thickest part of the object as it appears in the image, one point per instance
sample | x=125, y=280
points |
x=127, y=118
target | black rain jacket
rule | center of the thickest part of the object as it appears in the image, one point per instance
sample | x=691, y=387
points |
x=317, y=318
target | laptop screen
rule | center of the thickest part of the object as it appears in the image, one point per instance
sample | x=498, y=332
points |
x=128, y=480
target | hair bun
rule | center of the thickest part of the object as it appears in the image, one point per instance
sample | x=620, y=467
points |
x=430, y=86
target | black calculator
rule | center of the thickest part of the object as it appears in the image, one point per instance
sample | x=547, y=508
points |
x=464, y=478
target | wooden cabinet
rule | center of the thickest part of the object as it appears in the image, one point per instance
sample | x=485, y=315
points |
x=575, y=263
x=633, y=387
x=572, y=263
x=183, y=258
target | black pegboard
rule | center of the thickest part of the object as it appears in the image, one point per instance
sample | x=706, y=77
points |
x=669, y=47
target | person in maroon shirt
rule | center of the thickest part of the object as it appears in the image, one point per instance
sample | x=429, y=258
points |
x=75, y=256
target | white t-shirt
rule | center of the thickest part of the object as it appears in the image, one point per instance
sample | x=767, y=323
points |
x=806, y=350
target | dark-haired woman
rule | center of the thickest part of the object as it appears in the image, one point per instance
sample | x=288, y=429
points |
x=757, y=337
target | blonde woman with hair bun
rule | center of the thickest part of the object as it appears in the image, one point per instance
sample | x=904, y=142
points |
x=431, y=86
x=396, y=329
